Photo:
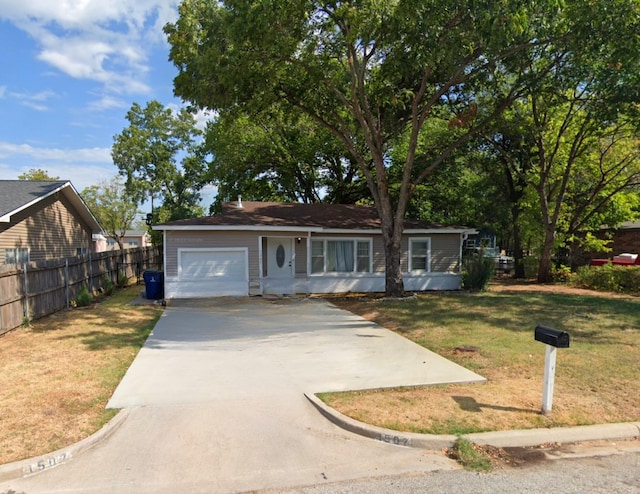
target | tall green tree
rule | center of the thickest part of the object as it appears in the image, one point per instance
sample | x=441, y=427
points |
x=112, y=206
x=507, y=155
x=280, y=156
x=367, y=71
x=158, y=156
x=574, y=93
x=37, y=174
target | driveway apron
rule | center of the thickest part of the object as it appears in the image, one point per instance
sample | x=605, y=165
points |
x=215, y=402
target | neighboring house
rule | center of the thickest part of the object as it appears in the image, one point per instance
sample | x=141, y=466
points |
x=623, y=239
x=42, y=220
x=626, y=238
x=131, y=240
x=274, y=248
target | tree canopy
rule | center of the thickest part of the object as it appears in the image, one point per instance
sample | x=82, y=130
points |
x=279, y=156
x=37, y=174
x=114, y=209
x=369, y=72
x=403, y=85
x=158, y=156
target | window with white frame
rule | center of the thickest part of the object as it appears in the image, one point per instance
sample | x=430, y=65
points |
x=341, y=256
x=81, y=251
x=420, y=254
x=111, y=242
x=16, y=255
x=133, y=242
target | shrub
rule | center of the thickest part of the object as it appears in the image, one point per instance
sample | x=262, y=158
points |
x=609, y=277
x=477, y=271
x=627, y=278
x=83, y=298
x=596, y=278
x=123, y=280
x=561, y=273
x=107, y=285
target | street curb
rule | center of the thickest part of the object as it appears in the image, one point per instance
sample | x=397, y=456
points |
x=409, y=439
x=32, y=466
x=501, y=439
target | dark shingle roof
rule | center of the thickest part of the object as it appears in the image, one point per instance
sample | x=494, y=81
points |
x=275, y=214
x=15, y=194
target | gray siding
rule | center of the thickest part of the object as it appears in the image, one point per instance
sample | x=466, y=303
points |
x=445, y=252
x=51, y=229
x=445, y=262
x=207, y=239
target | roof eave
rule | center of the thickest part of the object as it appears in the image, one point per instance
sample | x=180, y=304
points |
x=235, y=228
x=314, y=229
x=82, y=208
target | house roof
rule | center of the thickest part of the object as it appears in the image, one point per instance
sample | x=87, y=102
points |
x=17, y=195
x=248, y=215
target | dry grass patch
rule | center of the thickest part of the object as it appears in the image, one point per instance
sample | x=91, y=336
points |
x=491, y=333
x=58, y=374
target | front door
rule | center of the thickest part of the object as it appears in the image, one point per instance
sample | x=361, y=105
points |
x=280, y=257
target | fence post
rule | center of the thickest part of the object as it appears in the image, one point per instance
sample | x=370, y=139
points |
x=26, y=292
x=66, y=279
x=90, y=274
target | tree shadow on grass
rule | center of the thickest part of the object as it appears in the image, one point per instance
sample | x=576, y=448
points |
x=102, y=340
x=469, y=404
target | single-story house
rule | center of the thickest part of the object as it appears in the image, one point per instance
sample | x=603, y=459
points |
x=42, y=220
x=256, y=248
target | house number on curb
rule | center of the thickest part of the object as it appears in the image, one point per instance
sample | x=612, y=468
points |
x=389, y=439
x=46, y=463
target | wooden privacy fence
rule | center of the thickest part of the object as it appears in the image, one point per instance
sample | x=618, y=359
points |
x=35, y=289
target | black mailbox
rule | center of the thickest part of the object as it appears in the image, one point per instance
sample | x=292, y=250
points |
x=553, y=337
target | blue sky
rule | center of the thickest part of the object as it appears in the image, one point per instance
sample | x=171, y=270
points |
x=71, y=69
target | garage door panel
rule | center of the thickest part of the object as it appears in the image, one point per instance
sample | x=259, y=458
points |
x=206, y=288
x=210, y=273
x=213, y=264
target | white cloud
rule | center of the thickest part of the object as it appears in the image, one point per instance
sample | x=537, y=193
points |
x=36, y=101
x=83, y=167
x=108, y=102
x=72, y=14
x=201, y=116
x=3, y=90
x=103, y=41
x=204, y=116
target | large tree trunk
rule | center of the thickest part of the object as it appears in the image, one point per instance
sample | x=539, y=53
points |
x=392, y=239
x=394, y=286
x=544, y=267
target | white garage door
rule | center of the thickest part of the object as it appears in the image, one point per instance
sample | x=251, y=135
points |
x=212, y=272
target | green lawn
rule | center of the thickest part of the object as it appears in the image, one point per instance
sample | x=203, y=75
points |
x=597, y=378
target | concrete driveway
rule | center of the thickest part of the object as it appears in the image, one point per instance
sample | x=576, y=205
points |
x=214, y=403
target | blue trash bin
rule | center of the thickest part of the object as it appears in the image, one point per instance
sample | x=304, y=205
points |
x=154, y=284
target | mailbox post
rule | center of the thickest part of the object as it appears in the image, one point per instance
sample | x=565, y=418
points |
x=553, y=339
